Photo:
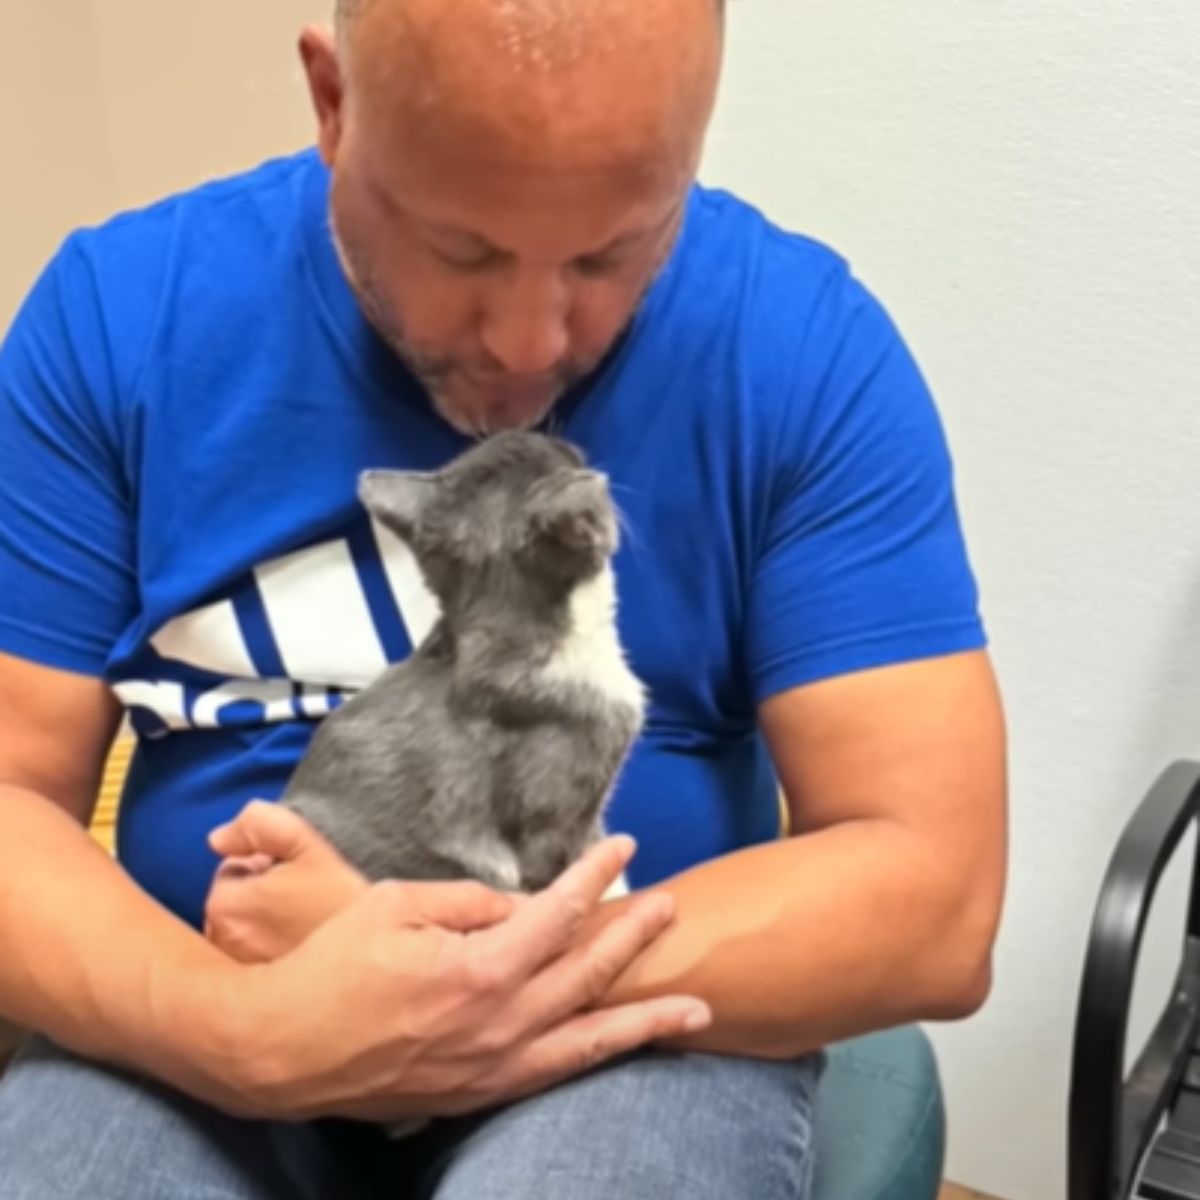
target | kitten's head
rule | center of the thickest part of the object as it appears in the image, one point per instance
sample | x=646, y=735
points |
x=517, y=510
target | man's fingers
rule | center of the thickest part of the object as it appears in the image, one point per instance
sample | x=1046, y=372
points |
x=249, y=866
x=595, y=1038
x=583, y=976
x=264, y=828
x=547, y=924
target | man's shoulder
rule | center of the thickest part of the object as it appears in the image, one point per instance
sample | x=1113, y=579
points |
x=214, y=250
x=732, y=233
x=783, y=303
x=770, y=288
x=223, y=209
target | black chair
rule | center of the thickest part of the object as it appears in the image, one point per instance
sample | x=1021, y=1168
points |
x=1138, y=1134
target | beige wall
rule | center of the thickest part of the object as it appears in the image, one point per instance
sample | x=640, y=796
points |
x=57, y=167
x=106, y=104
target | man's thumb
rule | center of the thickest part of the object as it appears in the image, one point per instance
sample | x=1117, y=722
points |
x=263, y=828
x=462, y=907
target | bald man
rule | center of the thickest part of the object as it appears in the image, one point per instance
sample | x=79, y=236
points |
x=500, y=227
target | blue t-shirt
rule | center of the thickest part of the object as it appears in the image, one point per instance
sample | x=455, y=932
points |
x=190, y=392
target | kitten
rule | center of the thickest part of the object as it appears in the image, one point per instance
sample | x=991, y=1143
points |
x=491, y=751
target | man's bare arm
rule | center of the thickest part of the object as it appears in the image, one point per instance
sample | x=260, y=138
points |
x=882, y=906
x=418, y=1000
x=89, y=959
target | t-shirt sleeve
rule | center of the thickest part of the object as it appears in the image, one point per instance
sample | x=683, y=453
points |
x=67, y=561
x=862, y=562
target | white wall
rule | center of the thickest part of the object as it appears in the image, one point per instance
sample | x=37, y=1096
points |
x=1021, y=183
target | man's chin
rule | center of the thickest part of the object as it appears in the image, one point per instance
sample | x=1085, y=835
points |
x=481, y=416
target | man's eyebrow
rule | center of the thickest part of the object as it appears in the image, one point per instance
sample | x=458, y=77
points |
x=459, y=233
x=479, y=242
x=623, y=240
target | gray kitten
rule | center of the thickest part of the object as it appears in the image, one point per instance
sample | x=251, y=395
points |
x=491, y=751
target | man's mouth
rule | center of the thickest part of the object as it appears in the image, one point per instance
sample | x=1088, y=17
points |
x=481, y=404
x=503, y=385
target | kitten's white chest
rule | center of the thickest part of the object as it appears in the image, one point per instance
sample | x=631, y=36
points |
x=591, y=655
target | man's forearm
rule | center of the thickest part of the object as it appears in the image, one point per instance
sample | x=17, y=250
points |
x=88, y=959
x=803, y=942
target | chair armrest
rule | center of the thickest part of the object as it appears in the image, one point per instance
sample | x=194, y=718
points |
x=1112, y=1119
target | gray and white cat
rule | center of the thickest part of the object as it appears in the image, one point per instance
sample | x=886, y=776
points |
x=490, y=752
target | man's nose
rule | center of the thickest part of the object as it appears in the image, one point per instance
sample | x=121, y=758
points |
x=525, y=326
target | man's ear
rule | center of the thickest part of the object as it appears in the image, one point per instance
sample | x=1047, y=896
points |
x=323, y=70
x=396, y=498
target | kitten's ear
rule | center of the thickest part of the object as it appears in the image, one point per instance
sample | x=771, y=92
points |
x=395, y=497
x=570, y=515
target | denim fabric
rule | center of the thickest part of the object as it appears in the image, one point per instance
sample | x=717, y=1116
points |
x=651, y=1127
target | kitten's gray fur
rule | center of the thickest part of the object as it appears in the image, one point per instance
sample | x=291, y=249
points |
x=491, y=751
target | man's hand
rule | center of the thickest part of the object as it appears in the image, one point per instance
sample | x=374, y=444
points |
x=420, y=1000
x=280, y=880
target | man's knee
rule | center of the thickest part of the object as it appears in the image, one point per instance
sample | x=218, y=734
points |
x=655, y=1126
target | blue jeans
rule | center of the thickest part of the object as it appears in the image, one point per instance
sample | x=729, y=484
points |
x=651, y=1127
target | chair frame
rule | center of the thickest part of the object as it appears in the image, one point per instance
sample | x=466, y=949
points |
x=1113, y=1117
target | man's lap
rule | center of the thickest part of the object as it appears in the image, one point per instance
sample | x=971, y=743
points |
x=654, y=1125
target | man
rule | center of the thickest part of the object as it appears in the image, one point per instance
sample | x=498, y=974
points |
x=501, y=229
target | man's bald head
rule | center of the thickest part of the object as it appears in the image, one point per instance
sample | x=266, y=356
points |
x=508, y=177
x=568, y=77
x=347, y=10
